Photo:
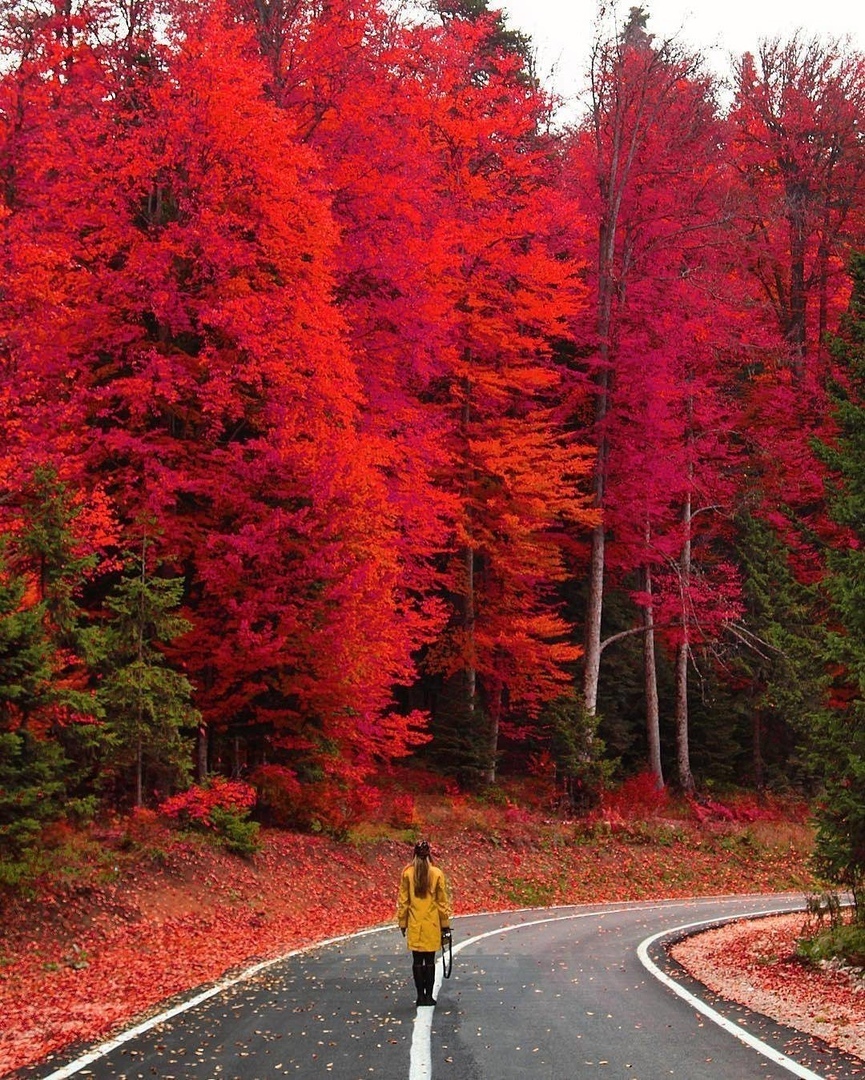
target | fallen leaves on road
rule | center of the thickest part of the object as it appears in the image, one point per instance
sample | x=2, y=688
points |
x=77, y=964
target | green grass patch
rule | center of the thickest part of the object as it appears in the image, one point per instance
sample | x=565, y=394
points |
x=845, y=943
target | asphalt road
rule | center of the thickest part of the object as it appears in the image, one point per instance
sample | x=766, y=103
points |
x=549, y=994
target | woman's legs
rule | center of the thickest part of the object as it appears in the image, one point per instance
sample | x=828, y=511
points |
x=417, y=970
x=424, y=970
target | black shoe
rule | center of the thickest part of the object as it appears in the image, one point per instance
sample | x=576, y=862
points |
x=421, y=1001
x=428, y=1000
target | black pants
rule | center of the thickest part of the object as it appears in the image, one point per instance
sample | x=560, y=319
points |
x=423, y=967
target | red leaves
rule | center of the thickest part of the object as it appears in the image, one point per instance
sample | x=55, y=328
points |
x=755, y=963
x=101, y=958
x=196, y=803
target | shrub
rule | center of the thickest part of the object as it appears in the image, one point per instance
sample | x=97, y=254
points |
x=238, y=834
x=325, y=804
x=280, y=793
x=637, y=797
x=143, y=827
x=333, y=807
x=195, y=805
x=402, y=811
x=222, y=807
x=844, y=942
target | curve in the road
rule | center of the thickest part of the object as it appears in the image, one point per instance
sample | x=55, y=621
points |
x=302, y=998
x=421, y=1050
x=420, y=1064
x=695, y=1002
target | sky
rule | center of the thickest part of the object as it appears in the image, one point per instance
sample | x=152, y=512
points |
x=562, y=30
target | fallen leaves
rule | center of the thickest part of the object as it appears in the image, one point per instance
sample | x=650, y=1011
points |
x=754, y=963
x=163, y=925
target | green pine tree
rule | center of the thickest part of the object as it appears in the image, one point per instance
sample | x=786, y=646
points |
x=46, y=552
x=778, y=682
x=49, y=550
x=840, y=743
x=147, y=704
x=32, y=770
x=25, y=650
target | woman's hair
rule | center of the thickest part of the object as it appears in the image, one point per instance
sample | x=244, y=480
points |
x=421, y=868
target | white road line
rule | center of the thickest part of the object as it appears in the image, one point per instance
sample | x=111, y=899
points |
x=733, y=1029
x=205, y=995
x=420, y=1057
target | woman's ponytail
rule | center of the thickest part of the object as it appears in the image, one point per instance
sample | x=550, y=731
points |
x=421, y=868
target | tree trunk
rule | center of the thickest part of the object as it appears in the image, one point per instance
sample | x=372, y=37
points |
x=139, y=773
x=683, y=758
x=595, y=599
x=653, y=725
x=492, y=748
x=797, y=319
x=469, y=604
x=201, y=752
x=594, y=611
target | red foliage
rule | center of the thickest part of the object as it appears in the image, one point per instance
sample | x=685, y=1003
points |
x=280, y=793
x=195, y=805
x=80, y=963
x=637, y=798
x=402, y=810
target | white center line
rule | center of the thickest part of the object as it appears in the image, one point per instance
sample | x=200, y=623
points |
x=420, y=1059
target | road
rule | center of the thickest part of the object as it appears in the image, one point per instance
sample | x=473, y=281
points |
x=547, y=994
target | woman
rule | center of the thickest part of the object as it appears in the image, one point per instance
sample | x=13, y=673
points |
x=423, y=913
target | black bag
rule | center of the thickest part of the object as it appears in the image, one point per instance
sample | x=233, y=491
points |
x=447, y=952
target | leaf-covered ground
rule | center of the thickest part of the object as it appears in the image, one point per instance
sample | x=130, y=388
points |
x=161, y=913
x=755, y=963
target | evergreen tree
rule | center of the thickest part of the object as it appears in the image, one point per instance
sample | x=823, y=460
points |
x=25, y=652
x=50, y=550
x=840, y=742
x=32, y=769
x=147, y=703
x=775, y=674
x=53, y=550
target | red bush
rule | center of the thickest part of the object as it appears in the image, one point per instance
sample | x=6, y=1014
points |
x=402, y=810
x=195, y=805
x=280, y=793
x=637, y=797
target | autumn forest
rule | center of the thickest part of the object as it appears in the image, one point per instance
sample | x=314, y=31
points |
x=356, y=408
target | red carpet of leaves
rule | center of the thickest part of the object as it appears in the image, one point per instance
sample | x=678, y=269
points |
x=755, y=964
x=77, y=963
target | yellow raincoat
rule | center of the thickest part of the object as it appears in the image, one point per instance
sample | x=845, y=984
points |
x=423, y=918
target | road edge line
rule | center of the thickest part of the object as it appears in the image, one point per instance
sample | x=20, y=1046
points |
x=189, y=1003
x=697, y=1003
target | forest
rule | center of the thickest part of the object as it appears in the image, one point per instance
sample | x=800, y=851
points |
x=357, y=409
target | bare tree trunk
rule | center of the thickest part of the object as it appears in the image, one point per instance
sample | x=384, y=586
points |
x=201, y=752
x=595, y=599
x=683, y=758
x=469, y=626
x=492, y=749
x=594, y=611
x=757, y=753
x=469, y=613
x=653, y=725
